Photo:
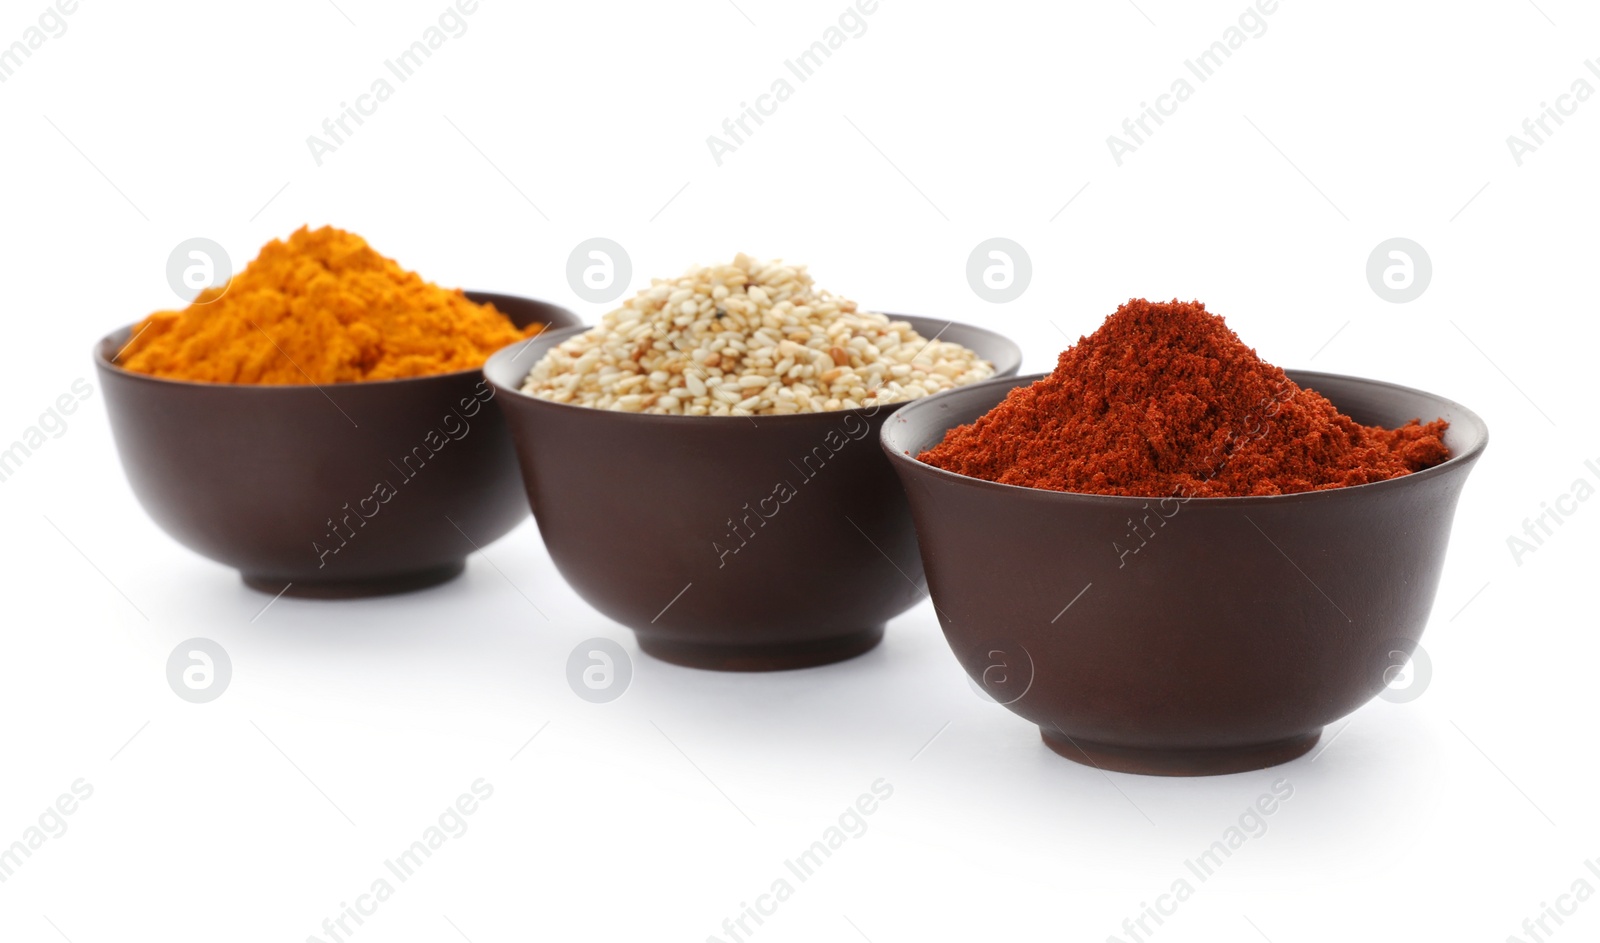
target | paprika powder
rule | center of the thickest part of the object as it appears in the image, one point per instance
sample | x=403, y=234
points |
x=1164, y=399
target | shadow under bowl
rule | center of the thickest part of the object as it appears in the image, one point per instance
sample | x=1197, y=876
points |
x=1184, y=637
x=337, y=491
x=728, y=543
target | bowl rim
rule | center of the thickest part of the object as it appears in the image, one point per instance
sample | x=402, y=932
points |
x=1014, y=351
x=1459, y=461
x=109, y=363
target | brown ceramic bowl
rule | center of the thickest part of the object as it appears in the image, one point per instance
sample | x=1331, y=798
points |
x=1232, y=631
x=285, y=483
x=672, y=525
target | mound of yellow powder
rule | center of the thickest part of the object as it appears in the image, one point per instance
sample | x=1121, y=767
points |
x=321, y=307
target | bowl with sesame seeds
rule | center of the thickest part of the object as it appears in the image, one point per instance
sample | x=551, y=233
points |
x=701, y=463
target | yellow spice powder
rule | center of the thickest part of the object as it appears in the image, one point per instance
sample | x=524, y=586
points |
x=321, y=307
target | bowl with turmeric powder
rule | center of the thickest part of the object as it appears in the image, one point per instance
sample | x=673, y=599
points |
x=321, y=423
x=1174, y=557
x=701, y=462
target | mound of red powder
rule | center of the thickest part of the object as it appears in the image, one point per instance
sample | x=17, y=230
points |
x=1164, y=399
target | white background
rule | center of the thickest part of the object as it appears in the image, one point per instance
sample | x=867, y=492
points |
x=349, y=726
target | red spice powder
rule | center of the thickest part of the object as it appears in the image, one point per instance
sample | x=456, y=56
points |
x=1164, y=399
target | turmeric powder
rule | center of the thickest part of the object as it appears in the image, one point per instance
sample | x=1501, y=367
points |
x=321, y=307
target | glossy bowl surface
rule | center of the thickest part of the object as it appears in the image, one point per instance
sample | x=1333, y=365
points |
x=1176, y=637
x=348, y=489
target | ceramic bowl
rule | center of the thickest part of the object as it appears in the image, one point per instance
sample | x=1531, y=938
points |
x=347, y=489
x=739, y=544
x=1212, y=635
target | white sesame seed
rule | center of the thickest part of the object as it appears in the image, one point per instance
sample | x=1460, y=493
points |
x=747, y=338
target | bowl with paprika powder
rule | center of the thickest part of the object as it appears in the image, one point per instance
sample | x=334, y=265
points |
x=321, y=422
x=702, y=463
x=1173, y=557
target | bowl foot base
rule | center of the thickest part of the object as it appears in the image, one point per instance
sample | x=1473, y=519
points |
x=780, y=657
x=1158, y=762
x=356, y=589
